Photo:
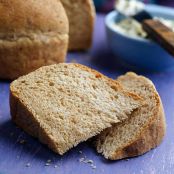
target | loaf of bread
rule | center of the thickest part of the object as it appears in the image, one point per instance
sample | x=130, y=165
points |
x=32, y=34
x=143, y=131
x=81, y=15
x=65, y=104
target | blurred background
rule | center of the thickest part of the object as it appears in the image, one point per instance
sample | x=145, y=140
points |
x=107, y=5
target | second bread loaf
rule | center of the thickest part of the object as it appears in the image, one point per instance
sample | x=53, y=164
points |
x=81, y=15
x=32, y=34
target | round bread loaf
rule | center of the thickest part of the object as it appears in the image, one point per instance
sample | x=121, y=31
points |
x=81, y=15
x=32, y=34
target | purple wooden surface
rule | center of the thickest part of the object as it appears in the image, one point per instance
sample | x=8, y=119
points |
x=169, y=3
x=15, y=156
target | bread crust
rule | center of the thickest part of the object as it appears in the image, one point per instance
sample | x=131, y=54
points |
x=21, y=16
x=26, y=54
x=152, y=133
x=150, y=138
x=81, y=14
x=23, y=118
x=31, y=35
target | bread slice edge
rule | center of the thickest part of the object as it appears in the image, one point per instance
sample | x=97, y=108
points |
x=149, y=139
x=150, y=136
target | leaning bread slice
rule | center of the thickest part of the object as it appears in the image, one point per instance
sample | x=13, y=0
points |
x=81, y=15
x=143, y=131
x=66, y=104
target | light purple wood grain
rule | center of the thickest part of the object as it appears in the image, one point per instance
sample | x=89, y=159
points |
x=15, y=156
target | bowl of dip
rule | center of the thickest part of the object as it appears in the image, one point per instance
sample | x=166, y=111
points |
x=128, y=41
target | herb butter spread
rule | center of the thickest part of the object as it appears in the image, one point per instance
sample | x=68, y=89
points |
x=131, y=27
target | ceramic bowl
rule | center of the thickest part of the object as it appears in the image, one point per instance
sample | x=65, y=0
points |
x=139, y=53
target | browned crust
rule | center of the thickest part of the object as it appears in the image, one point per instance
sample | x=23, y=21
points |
x=21, y=16
x=152, y=134
x=23, y=118
x=149, y=139
x=31, y=35
x=25, y=55
x=80, y=40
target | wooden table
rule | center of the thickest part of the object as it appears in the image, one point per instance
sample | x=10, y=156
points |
x=18, y=157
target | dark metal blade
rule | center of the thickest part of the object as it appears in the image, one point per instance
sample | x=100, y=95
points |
x=141, y=16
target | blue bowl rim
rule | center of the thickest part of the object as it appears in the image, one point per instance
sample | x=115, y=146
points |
x=155, y=8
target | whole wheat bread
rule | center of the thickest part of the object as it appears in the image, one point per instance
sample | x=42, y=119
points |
x=143, y=131
x=32, y=34
x=81, y=15
x=65, y=104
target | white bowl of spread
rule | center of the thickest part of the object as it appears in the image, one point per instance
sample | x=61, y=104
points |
x=128, y=41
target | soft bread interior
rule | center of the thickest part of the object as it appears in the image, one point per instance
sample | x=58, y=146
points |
x=71, y=103
x=111, y=142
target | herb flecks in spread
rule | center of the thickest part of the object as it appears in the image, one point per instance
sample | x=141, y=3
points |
x=131, y=27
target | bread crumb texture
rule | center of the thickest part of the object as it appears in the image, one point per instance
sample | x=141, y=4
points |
x=143, y=131
x=66, y=104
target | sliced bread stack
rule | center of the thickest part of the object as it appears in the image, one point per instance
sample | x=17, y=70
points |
x=65, y=104
x=143, y=131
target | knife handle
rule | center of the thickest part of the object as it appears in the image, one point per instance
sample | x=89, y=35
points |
x=160, y=34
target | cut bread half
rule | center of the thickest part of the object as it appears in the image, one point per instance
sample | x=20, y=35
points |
x=65, y=104
x=143, y=131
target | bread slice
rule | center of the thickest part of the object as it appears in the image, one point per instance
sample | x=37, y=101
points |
x=81, y=15
x=143, y=131
x=32, y=34
x=66, y=104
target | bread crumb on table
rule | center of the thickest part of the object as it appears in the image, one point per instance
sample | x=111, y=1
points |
x=81, y=159
x=22, y=141
x=88, y=161
x=55, y=166
x=49, y=161
x=80, y=152
x=47, y=164
x=28, y=165
x=93, y=167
